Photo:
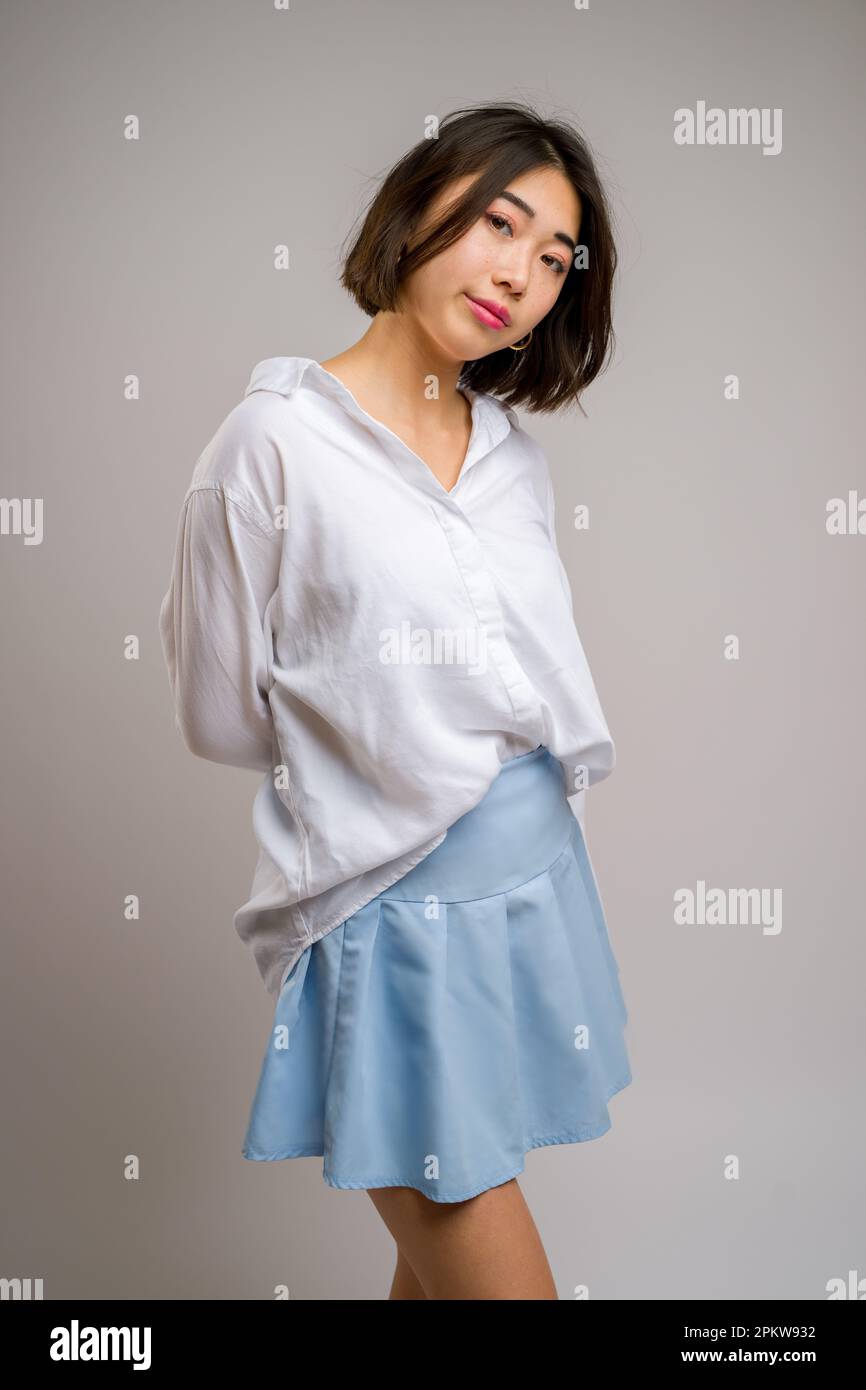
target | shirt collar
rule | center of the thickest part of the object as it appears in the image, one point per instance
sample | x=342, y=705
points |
x=491, y=419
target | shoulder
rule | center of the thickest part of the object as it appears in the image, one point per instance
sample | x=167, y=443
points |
x=525, y=448
x=255, y=428
x=277, y=376
x=536, y=478
x=530, y=461
x=244, y=461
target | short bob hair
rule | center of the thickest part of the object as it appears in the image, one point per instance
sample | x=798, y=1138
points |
x=500, y=141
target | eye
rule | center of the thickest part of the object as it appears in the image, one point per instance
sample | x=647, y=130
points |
x=497, y=217
x=558, y=267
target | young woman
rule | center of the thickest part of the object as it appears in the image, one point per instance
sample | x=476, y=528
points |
x=368, y=606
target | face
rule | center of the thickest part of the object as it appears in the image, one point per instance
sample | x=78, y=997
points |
x=511, y=258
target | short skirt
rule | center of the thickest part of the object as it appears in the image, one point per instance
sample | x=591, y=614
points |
x=470, y=1012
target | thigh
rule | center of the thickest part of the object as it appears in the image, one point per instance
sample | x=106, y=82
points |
x=487, y=1247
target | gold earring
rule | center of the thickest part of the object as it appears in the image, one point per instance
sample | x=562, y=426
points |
x=518, y=347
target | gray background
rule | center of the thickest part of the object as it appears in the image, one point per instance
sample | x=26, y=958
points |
x=154, y=257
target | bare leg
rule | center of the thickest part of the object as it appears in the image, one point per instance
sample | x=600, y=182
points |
x=405, y=1284
x=485, y=1248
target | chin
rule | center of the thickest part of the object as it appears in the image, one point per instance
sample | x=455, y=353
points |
x=453, y=346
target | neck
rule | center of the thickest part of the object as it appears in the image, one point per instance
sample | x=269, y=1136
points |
x=401, y=372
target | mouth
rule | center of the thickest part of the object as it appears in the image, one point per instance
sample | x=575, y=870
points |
x=487, y=311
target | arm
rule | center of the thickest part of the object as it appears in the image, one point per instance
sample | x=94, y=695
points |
x=213, y=629
x=551, y=529
x=577, y=800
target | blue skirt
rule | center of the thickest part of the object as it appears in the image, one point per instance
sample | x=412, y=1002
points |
x=467, y=1014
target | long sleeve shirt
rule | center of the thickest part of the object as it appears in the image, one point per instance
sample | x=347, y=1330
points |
x=372, y=643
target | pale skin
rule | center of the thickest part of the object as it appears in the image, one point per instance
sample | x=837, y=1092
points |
x=488, y=1246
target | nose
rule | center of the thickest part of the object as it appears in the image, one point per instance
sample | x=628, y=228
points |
x=512, y=277
x=508, y=289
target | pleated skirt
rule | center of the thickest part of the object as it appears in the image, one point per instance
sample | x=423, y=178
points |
x=469, y=1013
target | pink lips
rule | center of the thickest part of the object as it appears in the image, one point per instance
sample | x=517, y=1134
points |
x=489, y=313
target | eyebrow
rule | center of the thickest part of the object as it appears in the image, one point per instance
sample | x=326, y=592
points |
x=530, y=212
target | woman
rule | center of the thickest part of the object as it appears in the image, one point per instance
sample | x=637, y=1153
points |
x=368, y=606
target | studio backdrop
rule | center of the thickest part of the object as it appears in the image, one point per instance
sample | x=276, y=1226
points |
x=179, y=181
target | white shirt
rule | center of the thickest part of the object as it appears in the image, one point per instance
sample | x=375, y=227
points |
x=375, y=645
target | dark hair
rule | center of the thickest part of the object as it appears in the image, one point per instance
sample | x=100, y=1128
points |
x=569, y=346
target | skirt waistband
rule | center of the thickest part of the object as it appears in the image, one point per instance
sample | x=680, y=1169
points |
x=520, y=826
